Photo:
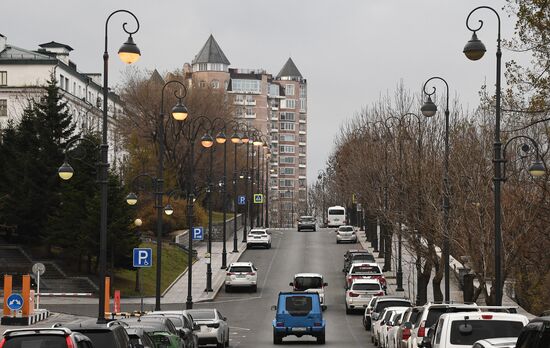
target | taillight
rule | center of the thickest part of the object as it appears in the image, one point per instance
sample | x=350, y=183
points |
x=353, y=294
x=2, y=342
x=486, y=316
x=280, y=324
x=67, y=340
x=406, y=333
x=230, y=273
x=422, y=329
x=316, y=324
x=381, y=293
x=251, y=273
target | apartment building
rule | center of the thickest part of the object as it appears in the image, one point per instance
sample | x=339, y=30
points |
x=275, y=105
x=24, y=72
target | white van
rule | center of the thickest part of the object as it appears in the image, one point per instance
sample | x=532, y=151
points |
x=336, y=216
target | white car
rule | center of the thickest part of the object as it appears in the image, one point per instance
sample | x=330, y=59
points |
x=346, y=234
x=383, y=325
x=241, y=274
x=462, y=330
x=361, y=292
x=506, y=342
x=258, y=236
x=310, y=282
x=214, y=328
x=392, y=327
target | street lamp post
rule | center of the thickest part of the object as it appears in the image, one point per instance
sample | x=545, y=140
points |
x=236, y=140
x=267, y=179
x=246, y=140
x=474, y=50
x=207, y=141
x=129, y=53
x=429, y=109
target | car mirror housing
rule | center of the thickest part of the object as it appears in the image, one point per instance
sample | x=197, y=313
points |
x=273, y=308
x=290, y=284
x=325, y=284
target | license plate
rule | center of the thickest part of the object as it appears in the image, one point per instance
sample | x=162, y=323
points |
x=257, y=237
x=241, y=275
x=299, y=329
x=363, y=296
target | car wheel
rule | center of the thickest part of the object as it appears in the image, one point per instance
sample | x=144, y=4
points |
x=367, y=325
x=277, y=339
x=220, y=345
x=348, y=310
x=227, y=288
x=227, y=340
x=248, y=246
x=254, y=288
x=337, y=242
x=321, y=338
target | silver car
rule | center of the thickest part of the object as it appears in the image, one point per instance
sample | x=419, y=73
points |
x=213, y=327
x=346, y=234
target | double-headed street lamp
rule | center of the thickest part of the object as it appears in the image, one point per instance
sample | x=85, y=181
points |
x=129, y=53
x=429, y=109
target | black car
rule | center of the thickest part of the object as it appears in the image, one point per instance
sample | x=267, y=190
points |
x=101, y=335
x=536, y=334
x=354, y=256
x=307, y=223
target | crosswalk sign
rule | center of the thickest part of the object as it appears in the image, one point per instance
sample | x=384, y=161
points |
x=258, y=198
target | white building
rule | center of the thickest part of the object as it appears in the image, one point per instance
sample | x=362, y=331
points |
x=24, y=73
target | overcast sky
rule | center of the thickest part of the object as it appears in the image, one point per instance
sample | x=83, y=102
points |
x=350, y=51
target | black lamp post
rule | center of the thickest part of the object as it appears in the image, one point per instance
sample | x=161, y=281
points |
x=429, y=109
x=236, y=140
x=246, y=140
x=474, y=50
x=267, y=188
x=129, y=53
x=207, y=141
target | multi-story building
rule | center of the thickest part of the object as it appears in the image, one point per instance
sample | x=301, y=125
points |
x=24, y=73
x=277, y=106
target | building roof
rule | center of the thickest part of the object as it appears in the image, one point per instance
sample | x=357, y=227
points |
x=289, y=70
x=12, y=53
x=53, y=44
x=156, y=78
x=211, y=53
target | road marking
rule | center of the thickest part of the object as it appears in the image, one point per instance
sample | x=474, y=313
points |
x=238, y=328
x=270, y=265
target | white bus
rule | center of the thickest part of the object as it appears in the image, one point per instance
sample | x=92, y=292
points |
x=336, y=216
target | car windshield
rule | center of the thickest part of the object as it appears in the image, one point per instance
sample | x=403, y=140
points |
x=239, y=269
x=36, y=341
x=336, y=212
x=366, y=269
x=257, y=232
x=298, y=305
x=466, y=332
x=203, y=315
x=346, y=229
x=307, y=219
x=366, y=286
x=304, y=283
x=380, y=305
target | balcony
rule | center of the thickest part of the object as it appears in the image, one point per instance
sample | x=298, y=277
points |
x=302, y=132
x=250, y=102
x=301, y=143
x=302, y=155
x=248, y=116
x=238, y=102
x=301, y=165
x=274, y=108
x=274, y=130
x=302, y=177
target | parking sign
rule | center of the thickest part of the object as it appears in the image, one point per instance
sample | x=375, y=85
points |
x=198, y=233
x=143, y=257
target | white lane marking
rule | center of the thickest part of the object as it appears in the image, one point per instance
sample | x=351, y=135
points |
x=238, y=328
x=270, y=265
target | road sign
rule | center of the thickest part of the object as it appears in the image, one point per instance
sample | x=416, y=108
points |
x=15, y=302
x=258, y=198
x=198, y=233
x=38, y=268
x=143, y=257
x=241, y=200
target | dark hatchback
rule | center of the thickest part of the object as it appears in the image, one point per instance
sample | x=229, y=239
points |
x=307, y=223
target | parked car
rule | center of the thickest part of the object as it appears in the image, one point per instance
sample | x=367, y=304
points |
x=310, y=282
x=390, y=338
x=241, y=274
x=346, y=234
x=182, y=322
x=298, y=314
x=365, y=271
x=403, y=333
x=307, y=223
x=214, y=328
x=383, y=302
x=462, y=330
x=536, y=334
x=428, y=316
x=161, y=329
x=385, y=315
x=140, y=338
x=101, y=335
x=357, y=256
x=367, y=313
x=508, y=342
x=380, y=326
x=45, y=337
x=258, y=237
x=360, y=293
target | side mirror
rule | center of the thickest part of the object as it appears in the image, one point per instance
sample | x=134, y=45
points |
x=291, y=284
x=196, y=327
x=274, y=308
x=325, y=284
x=374, y=316
x=183, y=333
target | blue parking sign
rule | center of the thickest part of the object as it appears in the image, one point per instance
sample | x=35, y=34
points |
x=143, y=257
x=241, y=200
x=198, y=233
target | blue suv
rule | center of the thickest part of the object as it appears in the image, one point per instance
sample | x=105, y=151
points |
x=298, y=314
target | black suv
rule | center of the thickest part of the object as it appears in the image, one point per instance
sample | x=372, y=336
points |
x=306, y=223
x=536, y=334
x=101, y=335
x=352, y=256
x=47, y=337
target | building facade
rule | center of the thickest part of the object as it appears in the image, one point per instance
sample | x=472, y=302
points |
x=24, y=73
x=276, y=106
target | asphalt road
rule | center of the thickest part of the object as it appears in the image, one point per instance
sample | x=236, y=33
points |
x=249, y=314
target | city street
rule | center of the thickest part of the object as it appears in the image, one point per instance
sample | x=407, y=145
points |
x=249, y=314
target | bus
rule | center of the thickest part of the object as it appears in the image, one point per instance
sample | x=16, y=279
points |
x=336, y=216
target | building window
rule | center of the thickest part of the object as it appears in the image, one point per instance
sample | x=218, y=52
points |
x=250, y=111
x=3, y=107
x=202, y=84
x=302, y=149
x=273, y=90
x=286, y=149
x=66, y=84
x=288, y=159
x=245, y=85
x=302, y=139
x=287, y=126
x=215, y=84
x=286, y=171
x=302, y=182
x=303, y=104
x=61, y=82
x=287, y=194
x=303, y=91
x=3, y=78
x=286, y=182
x=203, y=66
x=287, y=116
x=289, y=89
x=287, y=137
x=302, y=127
